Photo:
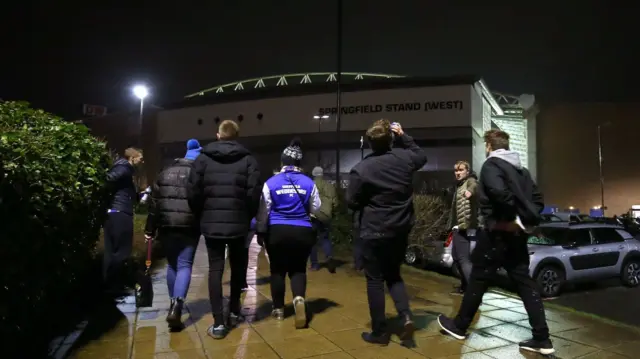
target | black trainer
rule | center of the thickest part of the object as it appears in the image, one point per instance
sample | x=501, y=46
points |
x=447, y=324
x=331, y=265
x=376, y=338
x=543, y=347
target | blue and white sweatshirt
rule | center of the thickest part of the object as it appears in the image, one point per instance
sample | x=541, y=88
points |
x=286, y=206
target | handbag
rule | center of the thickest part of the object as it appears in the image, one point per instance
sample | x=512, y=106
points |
x=144, y=285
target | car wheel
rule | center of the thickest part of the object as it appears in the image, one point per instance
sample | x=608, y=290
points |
x=630, y=275
x=413, y=256
x=550, y=279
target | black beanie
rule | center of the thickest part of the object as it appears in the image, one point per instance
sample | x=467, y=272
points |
x=292, y=155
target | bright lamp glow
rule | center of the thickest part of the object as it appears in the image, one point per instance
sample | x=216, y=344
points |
x=140, y=91
x=321, y=117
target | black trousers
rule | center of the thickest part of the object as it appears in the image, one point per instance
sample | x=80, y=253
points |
x=462, y=256
x=237, y=261
x=118, y=243
x=498, y=249
x=382, y=258
x=289, y=248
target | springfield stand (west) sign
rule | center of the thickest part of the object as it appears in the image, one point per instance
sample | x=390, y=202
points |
x=394, y=107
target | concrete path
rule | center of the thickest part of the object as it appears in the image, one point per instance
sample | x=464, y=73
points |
x=341, y=314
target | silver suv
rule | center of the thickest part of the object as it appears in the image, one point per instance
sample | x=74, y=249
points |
x=563, y=253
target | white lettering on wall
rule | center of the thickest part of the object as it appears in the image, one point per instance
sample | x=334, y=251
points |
x=395, y=107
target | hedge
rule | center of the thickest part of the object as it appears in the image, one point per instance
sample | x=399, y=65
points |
x=53, y=201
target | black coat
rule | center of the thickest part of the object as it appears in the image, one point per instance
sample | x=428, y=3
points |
x=381, y=189
x=506, y=190
x=120, y=181
x=169, y=205
x=225, y=190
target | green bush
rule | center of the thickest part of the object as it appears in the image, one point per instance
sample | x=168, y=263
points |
x=53, y=202
x=342, y=222
x=432, y=216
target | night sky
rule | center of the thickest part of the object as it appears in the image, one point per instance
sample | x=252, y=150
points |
x=61, y=56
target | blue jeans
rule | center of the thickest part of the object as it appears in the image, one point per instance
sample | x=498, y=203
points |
x=180, y=246
x=324, y=241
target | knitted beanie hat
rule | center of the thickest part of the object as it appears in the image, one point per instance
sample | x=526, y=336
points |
x=292, y=155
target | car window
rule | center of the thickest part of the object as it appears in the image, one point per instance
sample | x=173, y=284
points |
x=548, y=236
x=606, y=235
x=624, y=234
x=580, y=237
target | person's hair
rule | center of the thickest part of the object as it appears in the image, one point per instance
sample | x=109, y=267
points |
x=464, y=164
x=379, y=135
x=132, y=152
x=497, y=139
x=228, y=130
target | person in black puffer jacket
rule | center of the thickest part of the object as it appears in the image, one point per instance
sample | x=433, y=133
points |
x=224, y=191
x=171, y=218
x=118, y=228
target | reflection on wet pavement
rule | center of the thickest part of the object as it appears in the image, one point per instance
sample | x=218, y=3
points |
x=340, y=314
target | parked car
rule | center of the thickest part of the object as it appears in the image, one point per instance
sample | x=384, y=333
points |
x=436, y=252
x=564, y=253
x=551, y=218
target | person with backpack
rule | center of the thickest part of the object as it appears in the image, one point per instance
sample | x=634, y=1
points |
x=322, y=220
x=171, y=219
x=285, y=227
x=510, y=205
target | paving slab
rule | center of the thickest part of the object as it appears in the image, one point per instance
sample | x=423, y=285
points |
x=340, y=313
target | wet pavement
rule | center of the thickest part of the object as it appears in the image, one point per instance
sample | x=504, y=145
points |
x=340, y=314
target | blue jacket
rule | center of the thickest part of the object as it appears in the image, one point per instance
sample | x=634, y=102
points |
x=282, y=204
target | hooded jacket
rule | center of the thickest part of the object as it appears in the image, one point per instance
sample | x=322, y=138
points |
x=169, y=206
x=120, y=181
x=464, y=211
x=224, y=190
x=507, y=191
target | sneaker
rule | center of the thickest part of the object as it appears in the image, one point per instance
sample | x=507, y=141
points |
x=234, y=319
x=217, y=332
x=278, y=314
x=543, y=347
x=301, y=312
x=408, y=328
x=457, y=291
x=450, y=328
x=376, y=338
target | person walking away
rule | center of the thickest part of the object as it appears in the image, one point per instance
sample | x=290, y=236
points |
x=284, y=226
x=224, y=191
x=118, y=228
x=322, y=221
x=510, y=204
x=463, y=221
x=170, y=219
x=381, y=190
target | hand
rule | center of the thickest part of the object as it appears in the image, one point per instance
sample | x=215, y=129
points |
x=147, y=238
x=397, y=129
x=467, y=194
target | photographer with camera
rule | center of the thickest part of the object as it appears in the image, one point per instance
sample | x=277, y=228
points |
x=381, y=190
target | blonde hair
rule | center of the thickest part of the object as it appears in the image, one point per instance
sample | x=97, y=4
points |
x=228, y=130
x=379, y=135
x=464, y=164
x=132, y=152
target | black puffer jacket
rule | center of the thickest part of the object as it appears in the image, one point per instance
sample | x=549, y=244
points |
x=169, y=206
x=120, y=180
x=225, y=189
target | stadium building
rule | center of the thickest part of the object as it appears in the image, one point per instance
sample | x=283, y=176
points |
x=446, y=117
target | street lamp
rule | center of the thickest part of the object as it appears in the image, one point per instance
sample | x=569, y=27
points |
x=140, y=91
x=599, y=127
x=320, y=118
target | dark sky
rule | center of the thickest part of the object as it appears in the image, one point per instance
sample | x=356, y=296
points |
x=61, y=56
